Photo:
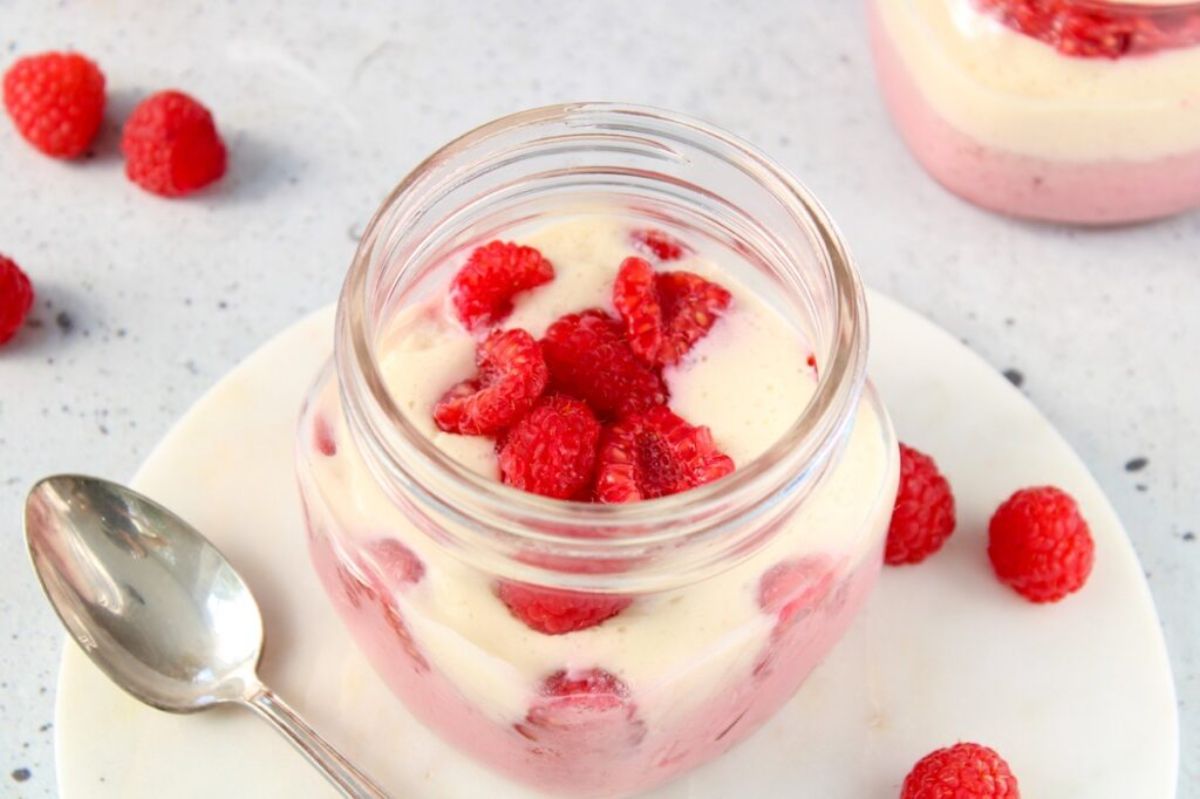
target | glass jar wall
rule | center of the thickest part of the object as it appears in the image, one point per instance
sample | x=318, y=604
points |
x=709, y=607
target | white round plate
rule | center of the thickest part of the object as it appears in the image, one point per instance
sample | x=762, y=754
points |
x=1077, y=696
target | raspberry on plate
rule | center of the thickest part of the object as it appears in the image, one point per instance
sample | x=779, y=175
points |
x=923, y=517
x=659, y=244
x=56, y=101
x=552, y=449
x=962, y=771
x=665, y=314
x=589, y=358
x=656, y=453
x=483, y=289
x=1040, y=545
x=171, y=145
x=16, y=298
x=555, y=611
x=512, y=375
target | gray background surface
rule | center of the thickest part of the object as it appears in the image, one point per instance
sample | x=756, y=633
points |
x=144, y=303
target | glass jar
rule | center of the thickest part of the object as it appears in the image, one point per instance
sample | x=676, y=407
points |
x=729, y=594
x=1077, y=111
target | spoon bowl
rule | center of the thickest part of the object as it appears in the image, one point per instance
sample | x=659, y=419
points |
x=160, y=610
x=153, y=603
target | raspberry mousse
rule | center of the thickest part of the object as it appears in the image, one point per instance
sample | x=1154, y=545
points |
x=1066, y=110
x=595, y=362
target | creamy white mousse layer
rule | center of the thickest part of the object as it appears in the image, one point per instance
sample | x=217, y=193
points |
x=748, y=380
x=1011, y=92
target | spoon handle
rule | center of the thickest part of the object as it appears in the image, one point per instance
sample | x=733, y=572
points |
x=350, y=781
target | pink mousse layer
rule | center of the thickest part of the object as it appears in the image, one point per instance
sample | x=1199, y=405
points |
x=605, y=750
x=1094, y=193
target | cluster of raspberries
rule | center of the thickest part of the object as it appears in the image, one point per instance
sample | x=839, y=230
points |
x=170, y=143
x=582, y=414
x=56, y=102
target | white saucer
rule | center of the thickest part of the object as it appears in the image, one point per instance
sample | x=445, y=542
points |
x=1077, y=696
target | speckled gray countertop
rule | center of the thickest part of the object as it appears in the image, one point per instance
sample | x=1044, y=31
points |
x=144, y=303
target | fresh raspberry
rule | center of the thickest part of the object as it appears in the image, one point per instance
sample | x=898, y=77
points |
x=56, y=101
x=962, y=771
x=1070, y=28
x=555, y=611
x=171, y=145
x=483, y=289
x=1093, y=33
x=396, y=563
x=636, y=300
x=795, y=587
x=16, y=298
x=923, y=517
x=661, y=245
x=667, y=313
x=690, y=307
x=512, y=375
x=552, y=449
x=581, y=713
x=589, y=358
x=1040, y=545
x=654, y=454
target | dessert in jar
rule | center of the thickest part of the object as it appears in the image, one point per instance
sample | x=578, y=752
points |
x=595, y=477
x=1079, y=111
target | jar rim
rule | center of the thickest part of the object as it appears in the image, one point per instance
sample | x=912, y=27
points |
x=812, y=436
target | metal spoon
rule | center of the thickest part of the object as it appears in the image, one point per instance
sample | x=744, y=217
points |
x=160, y=610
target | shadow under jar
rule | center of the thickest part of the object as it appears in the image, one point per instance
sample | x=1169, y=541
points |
x=719, y=600
x=1077, y=111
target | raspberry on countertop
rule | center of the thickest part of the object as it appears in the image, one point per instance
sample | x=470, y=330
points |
x=56, y=101
x=171, y=145
x=16, y=298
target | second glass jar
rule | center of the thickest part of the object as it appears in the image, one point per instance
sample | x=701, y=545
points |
x=1078, y=111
